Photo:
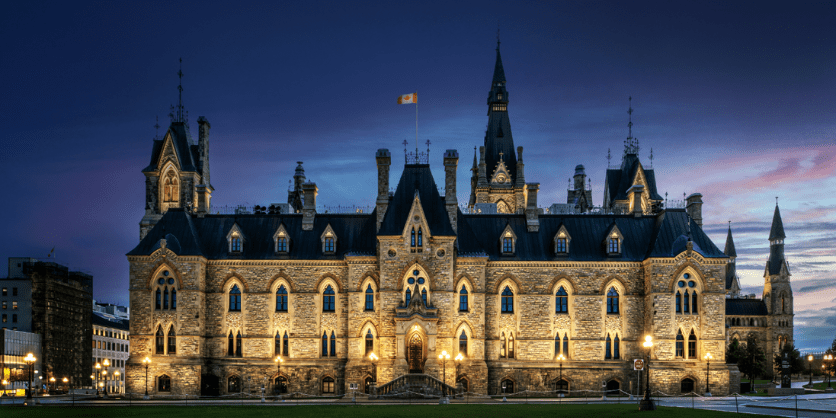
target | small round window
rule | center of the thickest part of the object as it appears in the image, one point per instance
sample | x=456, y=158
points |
x=420, y=280
x=686, y=275
x=416, y=272
x=170, y=280
x=161, y=281
x=692, y=283
x=681, y=284
x=165, y=273
x=411, y=280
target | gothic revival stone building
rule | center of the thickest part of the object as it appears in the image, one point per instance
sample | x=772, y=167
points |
x=509, y=286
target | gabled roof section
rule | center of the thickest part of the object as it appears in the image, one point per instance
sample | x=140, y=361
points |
x=729, y=250
x=235, y=229
x=751, y=307
x=621, y=179
x=777, y=231
x=416, y=177
x=207, y=236
x=776, y=260
x=671, y=226
x=184, y=148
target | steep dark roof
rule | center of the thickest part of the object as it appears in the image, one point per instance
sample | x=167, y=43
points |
x=184, y=147
x=731, y=273
x=108, y=322
x=621, y=179
x=646, y=236
x=777, y=231
x=498, y=137
x=498, y=70
x=750, y=307
x=207, y=236
x=729, y=250
x=776, y=259
x=416, y=177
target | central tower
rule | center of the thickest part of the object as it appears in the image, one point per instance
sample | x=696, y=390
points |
x=498, y=180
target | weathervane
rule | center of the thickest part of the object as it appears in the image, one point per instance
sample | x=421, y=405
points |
x=609, y=157
x=631, y=145
x=157, y=127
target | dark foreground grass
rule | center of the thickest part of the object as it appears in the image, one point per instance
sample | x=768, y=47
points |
x=381, y=411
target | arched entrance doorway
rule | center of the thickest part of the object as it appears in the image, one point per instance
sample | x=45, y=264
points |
x=415, y=354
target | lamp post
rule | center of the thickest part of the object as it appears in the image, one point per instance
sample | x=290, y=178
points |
x=827, y=359
x=444, y=357
x=647, y=403
x=146, y=361
x=106, y=364
x=279, y=360
x=65, y=384
x=118, y=381
x=5, y=382
x=98, y=370
x=459, y=358
x=560, y=360
x=30, y=360
x=52, y=381
x=708, y=358
x=374, y=358
x=810, y=365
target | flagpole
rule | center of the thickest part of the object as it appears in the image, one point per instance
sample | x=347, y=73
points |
x=416, y=123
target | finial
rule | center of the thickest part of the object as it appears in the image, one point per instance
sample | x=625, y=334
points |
x=609, y=157
x=497, y=35
x=180, y=115
x=405, y=143
x=630, y=112
x=688, y=226
x=500, y=155
x=776, y=200
x=157, y=127
x=651, y=157
x=631, y=145
x=569, y=184
x=428, y=148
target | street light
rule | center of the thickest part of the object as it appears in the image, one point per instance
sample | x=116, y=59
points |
x=827, y=359
x=65, y=383
x=459, y=358
x=707, y=368
x=810, y=364
x=146, y=361
x=560, y=360
x=374, y=358
x=106, y=364
x=116, y=378
x=5, y=382
x=647, y=403
x=279, y=360
x=444, y=357
x=98, y=370
x=52, y=380
x=30, y=360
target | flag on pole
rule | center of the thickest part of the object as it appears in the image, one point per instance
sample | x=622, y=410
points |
x=408, y=98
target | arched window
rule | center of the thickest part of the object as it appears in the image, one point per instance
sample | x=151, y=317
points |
x=510, y=345
x=239, y=344
x=233, y=384
x=160, y=341
x=235, y=299
x=280, y=384
x=235, y=243
x=165, y=298
x=420, y=237
x=561, y=301
x=613, y=386
x=678, y=302
x=465, y=385
x=463, y=344
x=159, y=299
x=165, y=295
x=164, y=384
x=463, y=299
x=328, y=385
x=694, y=302
x=324, y=344
x=783, y=306
x=286, y=345
x=369, y=298
x=367, y=385
x=608, y=348
x=173, y=299
x=507, y=386
x=687, y=302
x=172, y=341
x=277, y=344
x=686, y=385
x=230, y=348
x=692, y=345
x=565, y=351
x=281, y=243
x=281, y=299
x=424, y=296
x=333, y=344
x=408, y=296
x=616, y=348
x=507, y=300
x=328, y=299
x=412, y=238
x=612, y=301
x=502, y=346
x=680, y=344
x=369, y=342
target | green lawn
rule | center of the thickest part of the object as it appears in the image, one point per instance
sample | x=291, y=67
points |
x=400, y=411
x=821, y=385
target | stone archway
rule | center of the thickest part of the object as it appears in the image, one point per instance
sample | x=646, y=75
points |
x=415, y=353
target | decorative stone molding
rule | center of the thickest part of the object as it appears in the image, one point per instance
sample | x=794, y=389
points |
x=233, y=320
x=686, y=322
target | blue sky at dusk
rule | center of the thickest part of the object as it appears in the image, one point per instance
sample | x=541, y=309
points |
x=736, y=99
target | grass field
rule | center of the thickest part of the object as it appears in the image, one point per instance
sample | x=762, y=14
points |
x=401, y=411
x=821, y=385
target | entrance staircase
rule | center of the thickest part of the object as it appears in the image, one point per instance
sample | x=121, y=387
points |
x=415, y=385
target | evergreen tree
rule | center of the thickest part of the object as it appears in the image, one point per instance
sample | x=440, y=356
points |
x=793, y=357
x=753, y=362
x=734, y=352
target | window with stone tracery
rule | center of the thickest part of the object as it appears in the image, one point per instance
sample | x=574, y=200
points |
x=171, y=189
x=165, y=291
x=685, y=295
x=417, y=277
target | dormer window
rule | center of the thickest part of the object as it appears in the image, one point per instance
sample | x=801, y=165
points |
x=507, y=244
x=329, y=241
x=613, y=241
x=416, y=240
x=329, y=245
x=612, y=245
x=508, y=241
x=561, y=241
x=236, y=239
x=281, y=243
x=235, y=244
x=561, y=245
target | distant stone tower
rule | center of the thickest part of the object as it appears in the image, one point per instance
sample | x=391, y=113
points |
x=777, y=291
x=178, y=175
x=295, y=197
x=578, y=195
x=499, y=177
x=732, y=281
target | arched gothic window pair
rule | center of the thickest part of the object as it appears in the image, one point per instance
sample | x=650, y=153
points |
x=282, y=344
x=506, y=345
x=686, y=296
x=166, y=343
x=561, y=344
x=369, y=299
x=416, y=238
x=613, y=348
x=166, y=293
x=680, y=346
x=235, y=299
x=326, y=345
x=171, y=188
x=235, y=345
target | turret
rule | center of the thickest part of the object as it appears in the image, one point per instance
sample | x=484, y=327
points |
x=384, y=160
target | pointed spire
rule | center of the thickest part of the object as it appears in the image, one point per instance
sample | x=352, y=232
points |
x=498, y=70
x=777, y=231
x=475, y=164
x=179, y=115
x=631, y=145
x=729, y=250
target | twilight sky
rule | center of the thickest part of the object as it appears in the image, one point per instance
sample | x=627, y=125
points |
x=735, y=98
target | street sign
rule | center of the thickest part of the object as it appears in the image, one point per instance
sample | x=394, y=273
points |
x=638, y=364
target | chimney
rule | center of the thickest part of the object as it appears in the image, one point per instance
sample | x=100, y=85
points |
x=203, y=198
x=520, y=168
x=635, y=194
x=451, y=163
x=694, y=208
x=532, y=220
x=483, y=176
x=203, y=149
x=384, y=160
x=309, y=209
